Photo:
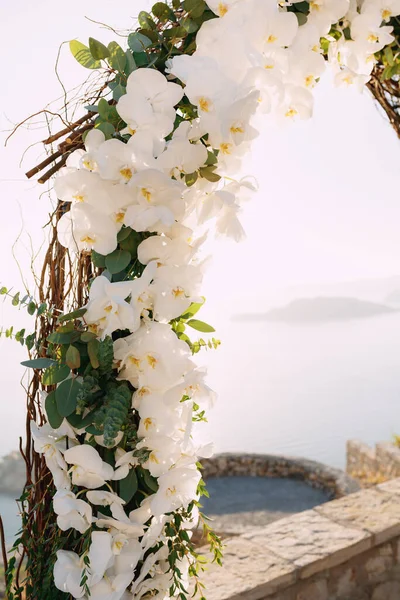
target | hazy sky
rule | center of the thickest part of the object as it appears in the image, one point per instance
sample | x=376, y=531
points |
x=328, y=208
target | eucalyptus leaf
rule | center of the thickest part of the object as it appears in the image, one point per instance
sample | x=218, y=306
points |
x=39, y=363
x=138, y=42
x=98, y=50
x=117, y=58
x=76, y=314
x=200, y=326
x=66, y=396
x=73, y=357
x=128, y=486
x=83, y=55
x=53, y=416
x=117, y=261
x=55, y=374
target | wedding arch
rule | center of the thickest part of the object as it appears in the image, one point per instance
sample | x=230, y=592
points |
x=113, y=474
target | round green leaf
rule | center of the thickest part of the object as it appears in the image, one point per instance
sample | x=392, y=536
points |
x=117, y=58
x=128, y=486
x=66, y=396
x=98, y=50
x=55, y=374
x=53, y=416
x=83, y=55
x=138, y=42
x=117, y=261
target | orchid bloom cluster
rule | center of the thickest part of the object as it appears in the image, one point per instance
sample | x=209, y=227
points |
x=141, y=200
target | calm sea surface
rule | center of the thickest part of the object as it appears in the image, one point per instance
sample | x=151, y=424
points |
x=306, y=389
x=9, y=514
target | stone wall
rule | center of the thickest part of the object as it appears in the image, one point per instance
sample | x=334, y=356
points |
x=335, y=482
x=373, y=465
x=347, y=549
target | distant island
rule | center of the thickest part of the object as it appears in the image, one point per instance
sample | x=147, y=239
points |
x=393, y=298
x=321, y=309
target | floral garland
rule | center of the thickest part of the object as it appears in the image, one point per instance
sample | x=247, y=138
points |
x=158, y=165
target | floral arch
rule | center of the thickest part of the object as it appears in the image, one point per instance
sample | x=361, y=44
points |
x=113, y=472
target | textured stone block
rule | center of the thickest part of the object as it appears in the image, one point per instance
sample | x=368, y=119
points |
x=387, y=591
x=248, y=571
x=374, y=511
x=311, y=541
x=314, y=591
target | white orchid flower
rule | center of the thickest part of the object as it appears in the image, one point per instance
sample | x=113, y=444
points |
x=103, y=498
x=161, y=94
x=72, y=512
x=164, y=452
x=67, y=573
x=113, y=587
x=156, y=416
x=85, y=228
x=89, y=470
x=114, y=306
x=174, y=289
x=366, y=31
x=165, y=251
x=153, y=357
x=387, y=8
x=177, y=489
x=52, y=443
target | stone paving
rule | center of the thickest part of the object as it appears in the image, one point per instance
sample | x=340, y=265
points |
x=348, y=549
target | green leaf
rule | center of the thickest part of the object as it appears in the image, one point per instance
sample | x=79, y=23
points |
x=93, y=348
x=195, y=7
x=73, y=358
x=193, y=309
x=76, y=314
x=117, y=58
x=123, y=233
x=107, y=128
x=15, y=300
x=191, y=178
x=145, y=20
x=117, y=261
x=105, y=354
x=3, y=291
x=32, y=308
x=103, y=109
x=175, y=33
x=42, y=309
x=99, y=260
x=118, y=91
x=63, y=338
x=39, y=363
x=138, y=42
x=130, y=63
x=389, y=56
x=131, y=243
x=189, y=25
x=30, y=341
x=208, y=173
x=66, y=396
x=98, y=50
x=200, y=326
x=83, y=55
x=163, y=12
x=55, y=374
x=128, y=486
x=149, y=481
x=88, y=336
x=53, y=416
